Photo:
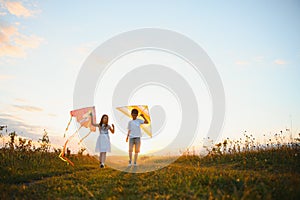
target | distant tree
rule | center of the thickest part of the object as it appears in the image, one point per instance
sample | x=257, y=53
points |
x=21, y=145
x=24, y=145
x=44, y=142
x=28, y=145
x=12, y=136
x=1, y=134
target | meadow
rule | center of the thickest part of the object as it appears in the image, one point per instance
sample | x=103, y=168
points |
x=269, y=173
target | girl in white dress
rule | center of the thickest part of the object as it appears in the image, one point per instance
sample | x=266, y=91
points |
x=103, y=141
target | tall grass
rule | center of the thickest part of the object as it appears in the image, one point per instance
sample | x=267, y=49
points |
x=252, y=171
x=20, y=166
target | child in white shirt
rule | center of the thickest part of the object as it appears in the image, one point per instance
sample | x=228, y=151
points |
x=134, y=135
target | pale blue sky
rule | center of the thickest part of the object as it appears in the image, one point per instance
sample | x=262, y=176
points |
x=255, y=46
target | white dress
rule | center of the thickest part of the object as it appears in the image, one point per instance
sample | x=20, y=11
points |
x=103, y=141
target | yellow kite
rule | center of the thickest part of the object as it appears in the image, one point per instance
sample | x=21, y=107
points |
x=143, y=109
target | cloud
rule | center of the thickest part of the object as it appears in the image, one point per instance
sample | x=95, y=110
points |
x=52, y=115
x=33, y=132
x=6, y=32
x=28, y=41
x=280, y=62
x=28, y=108
x=86, y=48
x=18, y=9
x=15, y=44
x=18, y=125
x=12, y=51
x=20, y=100
x=259, y=58
x=258, y=61
x=4, y=77
x=9, y=117
x=242, y=62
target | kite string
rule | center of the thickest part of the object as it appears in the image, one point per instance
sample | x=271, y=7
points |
x=68, y=126
x=84, y=137
x=71, y=137
x=62, y=154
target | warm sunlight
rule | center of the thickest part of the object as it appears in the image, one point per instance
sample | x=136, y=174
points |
x=149, y=99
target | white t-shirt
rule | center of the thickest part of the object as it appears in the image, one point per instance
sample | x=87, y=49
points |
x=134, y=127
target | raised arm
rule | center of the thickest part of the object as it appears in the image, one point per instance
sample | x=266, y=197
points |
x=112, y=130
x=145, y=120
x=92, y=121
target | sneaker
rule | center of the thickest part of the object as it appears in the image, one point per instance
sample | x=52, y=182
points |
x=135, y=164
x=102, y=166
x=129, y=163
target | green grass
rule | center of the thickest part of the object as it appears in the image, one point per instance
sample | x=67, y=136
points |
x=264, y=174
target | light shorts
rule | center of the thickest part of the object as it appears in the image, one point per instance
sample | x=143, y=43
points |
x=136, y=142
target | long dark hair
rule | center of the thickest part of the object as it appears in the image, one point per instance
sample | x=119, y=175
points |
x=101, y=121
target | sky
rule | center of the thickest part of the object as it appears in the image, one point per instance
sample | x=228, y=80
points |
x=255, y=46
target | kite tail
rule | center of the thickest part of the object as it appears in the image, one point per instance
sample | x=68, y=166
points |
x=63, y=158
x=84, y=137
x=68, y=126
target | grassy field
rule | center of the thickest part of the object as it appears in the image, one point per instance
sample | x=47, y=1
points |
x=264, y=174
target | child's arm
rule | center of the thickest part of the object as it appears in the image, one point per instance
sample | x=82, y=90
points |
x=145, y=120
x=127, y=135
x=112, y=130
x=92, y=122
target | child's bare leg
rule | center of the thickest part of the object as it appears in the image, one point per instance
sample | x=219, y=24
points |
x=130, y=156
x=135, y=157
x=100, y=157
x=104, y=157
